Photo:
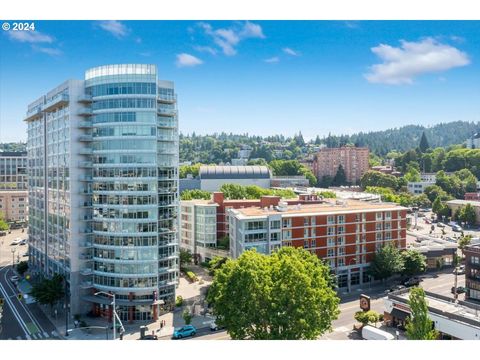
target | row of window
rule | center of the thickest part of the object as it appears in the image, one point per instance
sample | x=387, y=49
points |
x=124, y=199
x=125, y=116
x=125, y=130
x=123, y=145
x=125, y=240
x=126, y=103
x=122, y=88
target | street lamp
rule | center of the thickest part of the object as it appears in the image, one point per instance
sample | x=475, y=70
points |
x=13, y=256
x=350, y=274
x=115, y=315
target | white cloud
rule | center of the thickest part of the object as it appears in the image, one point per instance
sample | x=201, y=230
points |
x=352, y=24
x=30, y=37
x=48, y=51
x=402, y=64
x=290, y=51
x=114, y=27
x=274, y=59
x=187, y=60
x=228, y=39
x=206, y=49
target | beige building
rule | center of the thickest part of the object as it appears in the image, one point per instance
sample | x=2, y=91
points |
x=14, y=205
x=354, y=161
x=455, y=205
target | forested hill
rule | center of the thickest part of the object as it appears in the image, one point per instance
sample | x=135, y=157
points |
x=407, y=137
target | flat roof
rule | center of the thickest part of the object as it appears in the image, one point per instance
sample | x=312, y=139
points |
x=345, y=206
x=464, y=202
x=445, y=306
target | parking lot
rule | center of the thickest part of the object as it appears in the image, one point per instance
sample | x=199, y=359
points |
x=13, y=253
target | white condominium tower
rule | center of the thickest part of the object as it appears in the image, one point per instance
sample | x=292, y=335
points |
x=103, y=188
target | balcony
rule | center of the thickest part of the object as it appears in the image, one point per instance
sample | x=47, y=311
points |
x=166, y=112
x=86, y=284
x=84, y=98
x=86, y=218
x=86, y=244
x=84, y=111
x=86, y=204
x=85, y=192
x=85, y=124
x=85, y=151
x=85, y=256
x=86, y=271
x=86, y=230
x=56, y=102
x=85, y=178
x=85, y=164
x=85, y=138
x=33, y=114
x=166, y=99
x=167, y=123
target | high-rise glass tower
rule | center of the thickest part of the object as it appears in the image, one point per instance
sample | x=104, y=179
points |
x=103, y=175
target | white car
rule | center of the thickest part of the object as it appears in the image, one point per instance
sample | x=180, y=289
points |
x=17, y=241
x=14, y=279
x=215, y=327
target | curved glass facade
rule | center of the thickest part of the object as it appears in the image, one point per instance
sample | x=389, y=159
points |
x=134, y=194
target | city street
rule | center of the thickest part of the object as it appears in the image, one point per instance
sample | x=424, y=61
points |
x=438, y=282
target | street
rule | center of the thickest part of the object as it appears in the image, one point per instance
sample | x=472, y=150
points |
x=438, y=282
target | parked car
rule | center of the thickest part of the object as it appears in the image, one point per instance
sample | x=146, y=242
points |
x=16, y=241
x=427, y=221
x=23, y=242
x=460, y=270
x=3, y=233
x=457, y=228
x=460, y=290
x=396, y=288
x=184, y=331
x=149, y=337
x=372, y=333
x=14, y=279
x=413, y=281
x=440, y=224
x=215, y=327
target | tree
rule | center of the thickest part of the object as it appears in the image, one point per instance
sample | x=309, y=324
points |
x=22, y=267
x=285, y=295
x=185, y=258
x=340, y=177
x=3, y=224
x=376, y=178
x=195, y=194
x=422, y=201
x=367, y=317
x=386, y=262
x=412, y=174
x=49, y=291
x=463, y=242
x=419, y=325
x=423, y=143
x=224, y=243
x=327, y=194
x=467, y=214
x=439, y=208
x=434, y=191
x=413, y=262
x=187, y=316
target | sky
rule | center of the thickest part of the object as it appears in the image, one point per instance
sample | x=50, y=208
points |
x=262, y=77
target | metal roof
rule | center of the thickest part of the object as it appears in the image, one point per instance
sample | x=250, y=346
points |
x=234, y=172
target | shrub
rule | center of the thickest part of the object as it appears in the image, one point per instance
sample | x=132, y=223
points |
x=191, y=276
x=179, y=301
x=187, y=317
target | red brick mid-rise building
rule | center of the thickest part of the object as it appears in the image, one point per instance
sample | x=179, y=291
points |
x=344, y=233
x=354, y=161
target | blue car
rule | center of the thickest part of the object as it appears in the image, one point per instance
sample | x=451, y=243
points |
x=187, y=330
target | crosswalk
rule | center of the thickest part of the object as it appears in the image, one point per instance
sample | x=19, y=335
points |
x=38, y=336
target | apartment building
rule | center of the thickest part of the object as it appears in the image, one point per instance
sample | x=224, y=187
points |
x=103, y=189
x=345, y=233
x=14, y=205
x=472, y=272
x=204, y=222
x=13, y=170
x=354, y=161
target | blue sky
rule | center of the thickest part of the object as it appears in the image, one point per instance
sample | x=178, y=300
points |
x=263, y=77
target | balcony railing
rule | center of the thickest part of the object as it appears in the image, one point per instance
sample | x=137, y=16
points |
x=55, y=102
x=85, y=164
x=167, y=99
x=86, y=271
x=85, y=138
x=34, y=114
x=84, y=111
x=84, y=98
x=84, y=124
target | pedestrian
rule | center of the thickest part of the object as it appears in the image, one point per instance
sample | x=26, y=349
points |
x=161, y=325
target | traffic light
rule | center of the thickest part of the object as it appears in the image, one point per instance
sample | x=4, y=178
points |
x=19, y=296
x=1, y=301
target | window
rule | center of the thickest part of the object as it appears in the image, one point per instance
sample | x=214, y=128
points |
x=330, y=220
x=378, y=226
x=388, y=215
x=313, y=220
x=313, y=243
x=341, y=262
x=388, y=226
x=475, y=260
x=306, y=221
x=378, y=236
x=341, y=240
x=341, y=251
x=341, y=219
x=379, y=216
x=331, y=241
x=314, y=232
x=341, y=230
x=305, y=232
x=275, y=224
x=287, y=223
x=330, y=252
x=331, y=230
x=287, y=234
x=305, y=244
x=274, y=237
x=388, y=235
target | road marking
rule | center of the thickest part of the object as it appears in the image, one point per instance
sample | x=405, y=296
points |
x=13, y=308
x=54, y=333
x=45, y=334
x=34, y=336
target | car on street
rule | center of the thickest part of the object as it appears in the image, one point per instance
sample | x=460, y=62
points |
x=149, y=337
x=215, y=327
x=460, y=270
x=23, y=242
x=456, y=228
x=184, y=331
x=460, y=290
x=440, y=225
x=427, y=221
x=413, y=281
x=396, y=288
x=14, y=279
x=16, y=241
x=3, y=233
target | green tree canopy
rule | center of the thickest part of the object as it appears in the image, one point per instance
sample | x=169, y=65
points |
x=467, y=214
x=423, y=146
x=340, y=177
x=185, y=257
x=49, y=291
x=376, y=178
x=195, y=194
x=419, y=325
x=413, y=262
x=464, y=241
x=286, y=295
x=367, y=317
x=185, y=170
x=439, y=208
x=235, y=191
x=386, y=262
x=22, y=267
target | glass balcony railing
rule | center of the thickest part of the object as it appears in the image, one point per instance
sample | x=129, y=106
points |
x=84, y=124
x=167, y=123
x=168, y=99
x=85, y=164
x=55, y=102
x=85, y=138
x=166, y=112
x=34, y=113
x=84, y=98
x=84, y=111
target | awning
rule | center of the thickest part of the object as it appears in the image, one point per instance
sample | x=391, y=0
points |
x=399, y=314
